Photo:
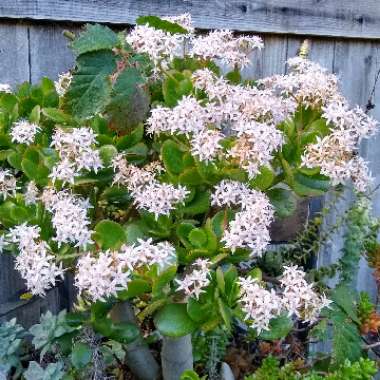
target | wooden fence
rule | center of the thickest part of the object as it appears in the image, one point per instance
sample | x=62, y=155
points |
x=344, y=37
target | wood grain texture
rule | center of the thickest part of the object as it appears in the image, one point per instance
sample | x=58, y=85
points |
x=28, y=312
x=343, y=18
x=49, y=51
x=14, y=69
x=14, y=53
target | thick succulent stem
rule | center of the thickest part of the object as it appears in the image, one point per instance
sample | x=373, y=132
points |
x=176, y=356
x=139, y=359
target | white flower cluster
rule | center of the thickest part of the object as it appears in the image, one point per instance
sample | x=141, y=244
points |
x=221, y=44
x=24, y=132
x=103, y=276
x=255, y=145
x=148, y=193
x=63, y=83
x=193, y=283
x=255, y=140
x=8, y=184
x=259, y=305
x=205, y=145
x=241, y=104
x=183, y=20
x=69, y=217
x=36, y=265
x=252, y=115
x=145, y=252
x=187, y=117
x=336, y=153
x=250, y=227
x=162, y=46
x=76, y=152
x=298, y=296
x=307, y=82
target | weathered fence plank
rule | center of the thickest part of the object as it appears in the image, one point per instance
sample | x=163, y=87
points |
x=343, y=18
x=14, y=69
x=49, y=54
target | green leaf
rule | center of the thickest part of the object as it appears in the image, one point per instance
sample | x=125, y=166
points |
x=159, y=23
x=172, y=157
x=199, y=205
x=57, y=116
x=279, y=328
x=109, y=234
x=256, y=273
x=162, y=280
x=33, y=166
x=34, y=116
x=90, y=88
x=344, y=297
x=264, y=179
x=134, y=232
x=191, y=177
x=197, y=237
x=173, y=321
x=220, y=220
x=220, y=280
x=135, y=288
x=234, y=76
x=103, y=177
x=284, y=201
x=347, y=343
x=225, y=312
x=93, y=38
x=129, y=102
x=14, y=159
x=131, y=139
x=313, y=185
x=117, y=195
x=81, y=355
x=175, y=87
x=107, y=153
x=124, y=332
x=190, y=375
x=199, y=312
x=137, y=154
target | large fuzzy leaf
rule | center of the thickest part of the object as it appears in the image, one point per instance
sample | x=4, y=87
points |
x=129, y=102
x=90, y=89
x=93, y=38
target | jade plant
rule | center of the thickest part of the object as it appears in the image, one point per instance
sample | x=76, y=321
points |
x=153, y=175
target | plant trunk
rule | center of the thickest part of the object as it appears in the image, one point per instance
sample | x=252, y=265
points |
x=176, y=356
x=139, y=359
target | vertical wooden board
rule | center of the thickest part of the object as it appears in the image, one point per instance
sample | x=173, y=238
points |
x=255, y=69
x=274, y=55
x=49, y=51
x=11, y=284
x=14, y=69
x=293, y=47
x=355, y=65
x=28, y=312
x=14, y=53
x=322, y=51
